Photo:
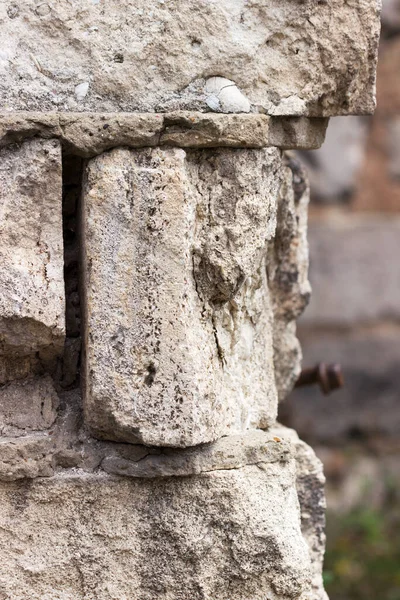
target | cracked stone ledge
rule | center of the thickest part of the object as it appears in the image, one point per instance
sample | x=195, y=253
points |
x=48, y=454
x=87, y=135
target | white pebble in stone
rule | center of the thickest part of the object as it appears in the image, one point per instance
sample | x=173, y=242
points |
x=81, y=90
x=223, y=95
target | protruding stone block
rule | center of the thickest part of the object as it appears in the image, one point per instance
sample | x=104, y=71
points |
x=31, y=251
x=281, y=57
x=25, y=457
x=287, y=268
x=178, y=341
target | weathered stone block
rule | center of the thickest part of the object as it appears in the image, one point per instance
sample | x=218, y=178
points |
x=24, y=457
x=283, y=57
x=31, y=251
x=310, y=481
x=179, y=317
x=224, y=535
x=89, y=134
x=27, y=405
x=287, y=269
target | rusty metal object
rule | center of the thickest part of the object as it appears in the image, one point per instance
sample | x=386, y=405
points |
x=328, y=377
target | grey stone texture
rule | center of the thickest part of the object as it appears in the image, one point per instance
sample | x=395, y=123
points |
x=286, y=57
x=25, y=457
x=310, y=482
x=287, y=269
x=180, y=346
x=27, y=405
x=227, y=534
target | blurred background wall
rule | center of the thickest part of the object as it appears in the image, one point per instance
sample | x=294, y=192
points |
x=354, y=319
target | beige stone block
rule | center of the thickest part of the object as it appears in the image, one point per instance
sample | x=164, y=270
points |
x=178, y=340
x=31, y=250
x=310, y=482
x=287, y=269
x=25, y=457
x=27, y=405
x=282, y=57
x=89, y=134
x=225, y=535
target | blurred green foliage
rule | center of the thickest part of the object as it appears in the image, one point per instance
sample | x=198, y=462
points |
x=363, y=551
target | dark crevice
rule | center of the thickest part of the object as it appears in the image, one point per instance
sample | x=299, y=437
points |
x=72, y=170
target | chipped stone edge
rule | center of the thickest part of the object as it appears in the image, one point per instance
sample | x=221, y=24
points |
x=37, y=455
x=90, y=134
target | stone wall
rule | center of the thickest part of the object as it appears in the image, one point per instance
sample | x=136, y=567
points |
x=155, y=262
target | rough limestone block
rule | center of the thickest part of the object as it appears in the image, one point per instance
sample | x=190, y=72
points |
x=27, y=405
x=89, y=134
x=297, y=132
x=31, y=251
x=231, y=452
x=179, y=319
x=225, y=535
x=282, y=57
x=310, y=483
x=353, y=272
x=25, y=457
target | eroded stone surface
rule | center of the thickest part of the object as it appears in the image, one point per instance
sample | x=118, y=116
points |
x=224, y=535
x=26, y=457
x=89, y=134
x=31, y=251
x=179, y=339
x=233, y=452
x=310, y=481
x=286, y=57
x=27, y=405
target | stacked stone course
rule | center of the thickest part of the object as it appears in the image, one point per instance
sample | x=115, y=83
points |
x=140, y=456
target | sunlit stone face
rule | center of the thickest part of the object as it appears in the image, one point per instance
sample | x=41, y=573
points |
x=181, y=323
x=282, y=57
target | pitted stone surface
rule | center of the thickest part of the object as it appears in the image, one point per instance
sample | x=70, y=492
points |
x=286, y=57
x=179, y=317
x=310, y=481
x=226, y=535
x=27, y=405
x=89, y=134
x=31, y=250
x=26, y=457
